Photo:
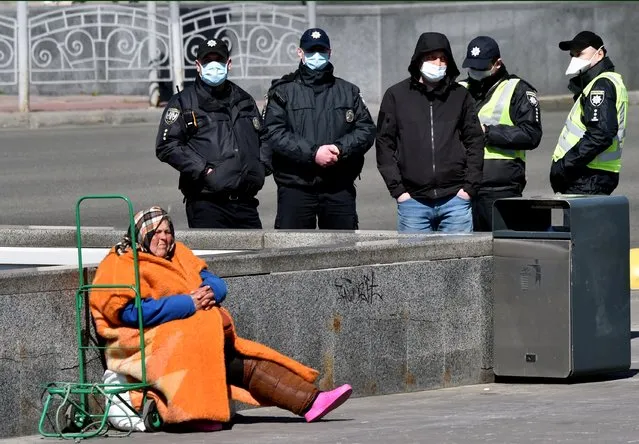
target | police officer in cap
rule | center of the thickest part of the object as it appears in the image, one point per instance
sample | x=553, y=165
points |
x=511, y=120
x=318, y=130
x=210, y=133
x=587, y=158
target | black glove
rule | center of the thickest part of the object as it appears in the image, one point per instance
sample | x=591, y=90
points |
x=558, y=178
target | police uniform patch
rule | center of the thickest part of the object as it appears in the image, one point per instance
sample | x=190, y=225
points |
x=171, y=116
x=597, y=97
x=532, y=98
x=350, y=116
x=256, y=123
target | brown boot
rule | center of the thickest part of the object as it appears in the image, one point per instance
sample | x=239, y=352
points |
x=270, y=383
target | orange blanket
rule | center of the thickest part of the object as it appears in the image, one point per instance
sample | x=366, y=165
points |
x=184, y=358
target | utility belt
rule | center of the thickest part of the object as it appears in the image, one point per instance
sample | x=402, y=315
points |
x=220, y=197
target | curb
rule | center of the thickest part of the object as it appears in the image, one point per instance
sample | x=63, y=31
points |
x=49, y=119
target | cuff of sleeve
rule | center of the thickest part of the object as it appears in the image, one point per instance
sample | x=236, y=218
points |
x=314, y=153
x=486, y=133
x=397, y=192
x=472, y=192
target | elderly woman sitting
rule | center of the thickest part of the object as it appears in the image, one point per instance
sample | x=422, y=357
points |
x=195, y=362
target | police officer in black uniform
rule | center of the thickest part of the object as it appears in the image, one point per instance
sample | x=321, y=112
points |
x=318, y=128
x=210, y=133
x=587, y=158
x=508, y=110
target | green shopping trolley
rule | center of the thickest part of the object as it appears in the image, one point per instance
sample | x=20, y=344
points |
x=74, y=416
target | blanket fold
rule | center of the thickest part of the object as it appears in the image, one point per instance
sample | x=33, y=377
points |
x=184, y=358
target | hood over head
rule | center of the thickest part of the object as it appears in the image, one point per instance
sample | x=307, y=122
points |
x=432, y=41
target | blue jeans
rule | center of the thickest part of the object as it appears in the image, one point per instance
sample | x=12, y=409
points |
x=450, y=214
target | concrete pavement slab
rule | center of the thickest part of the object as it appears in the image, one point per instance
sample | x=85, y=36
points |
x=595, y=410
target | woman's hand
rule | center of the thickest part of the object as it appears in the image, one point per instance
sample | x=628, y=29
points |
x=203, y=298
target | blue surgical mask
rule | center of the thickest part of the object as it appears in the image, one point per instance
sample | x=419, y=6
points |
x=316, y=60
x=214, y=73
x=432, y=72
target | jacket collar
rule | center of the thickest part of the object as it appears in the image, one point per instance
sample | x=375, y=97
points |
x=481, y=89
x=318, y=79
x=212, y=98
x=578, y=83
x=440, y=90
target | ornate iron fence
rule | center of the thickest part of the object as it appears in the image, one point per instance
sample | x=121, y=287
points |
x=262, y=38
x=8, y=52
x=98, y=44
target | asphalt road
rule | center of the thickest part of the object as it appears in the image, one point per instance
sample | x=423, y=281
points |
x=44, y=171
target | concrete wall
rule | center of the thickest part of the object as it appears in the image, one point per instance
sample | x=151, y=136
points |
x=372, y=44
x=387, y=316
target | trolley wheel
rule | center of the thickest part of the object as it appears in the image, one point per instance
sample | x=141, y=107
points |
x=151, y=416
x=73, y=420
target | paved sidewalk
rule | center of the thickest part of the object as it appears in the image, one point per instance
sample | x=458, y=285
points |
x=593, y=410
x=76, y=110
x=9, y=104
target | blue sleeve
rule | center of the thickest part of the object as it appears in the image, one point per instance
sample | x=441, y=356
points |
x=216, y=284
x=158, y=311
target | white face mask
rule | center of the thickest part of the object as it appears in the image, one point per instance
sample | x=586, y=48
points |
x=432, y=72
x=477, y=74
x=577, y=65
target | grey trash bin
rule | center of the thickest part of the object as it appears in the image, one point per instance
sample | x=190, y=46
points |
x=561, y=286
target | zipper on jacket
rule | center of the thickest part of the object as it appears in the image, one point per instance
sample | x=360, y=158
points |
x=432, y=144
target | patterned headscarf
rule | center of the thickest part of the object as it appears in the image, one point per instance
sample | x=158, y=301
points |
x=146, y=223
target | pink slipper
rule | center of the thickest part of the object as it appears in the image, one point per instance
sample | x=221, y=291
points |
x=327, y=402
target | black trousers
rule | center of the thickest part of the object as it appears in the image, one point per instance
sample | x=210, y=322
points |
x=210, y=211
x=299, y=208
x=483, y=207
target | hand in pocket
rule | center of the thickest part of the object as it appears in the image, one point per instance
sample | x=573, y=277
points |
x=463, y=195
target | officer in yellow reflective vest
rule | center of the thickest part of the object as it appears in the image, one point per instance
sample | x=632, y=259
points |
x=587, y=158
x=510, y=116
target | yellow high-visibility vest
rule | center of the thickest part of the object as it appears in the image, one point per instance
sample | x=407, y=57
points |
x=497, y=112
x=574, y=129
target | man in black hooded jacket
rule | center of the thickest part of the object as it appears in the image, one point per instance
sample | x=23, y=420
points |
x=430, y=144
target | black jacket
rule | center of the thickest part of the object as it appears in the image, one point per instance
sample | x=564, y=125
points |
x=225, y=137
x=500, y=174
x=429, y=142
x=570, y=174
x=307, y=109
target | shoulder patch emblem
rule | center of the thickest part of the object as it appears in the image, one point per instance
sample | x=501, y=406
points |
x=256, y=123
x=532, y=98
x=171, y=116
x=597, y=97
x=350, y=116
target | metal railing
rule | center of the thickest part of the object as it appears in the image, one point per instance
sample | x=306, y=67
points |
x=8, y=59
x=101, y=43
x=108, y=43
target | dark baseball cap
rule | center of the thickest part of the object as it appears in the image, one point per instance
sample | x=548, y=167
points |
x=314, y=37
x=581, y=41
x=213, y=46
x=481, y=52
